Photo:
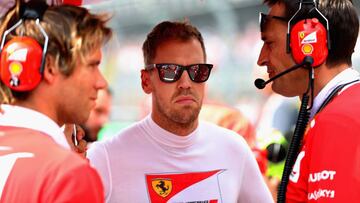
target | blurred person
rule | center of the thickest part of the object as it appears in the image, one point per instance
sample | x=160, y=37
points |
x=274, y=129
x=276, y=112
x=233, y=119
x=171, y=156
x=230, y=118
x=99, y=115
x=326, y=168
x=74, y=135
x=275, y=124
x=49, y=77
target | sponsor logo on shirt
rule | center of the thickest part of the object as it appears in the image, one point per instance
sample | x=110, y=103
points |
x=162, y=187
x=321, y=193
x=192, y=187
x=323, y=175
x=295, y=174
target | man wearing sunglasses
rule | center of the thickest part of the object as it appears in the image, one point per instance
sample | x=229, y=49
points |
x=327, y=167
x=171, y=156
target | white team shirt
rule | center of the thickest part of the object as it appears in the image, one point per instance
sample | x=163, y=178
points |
x=146, y=163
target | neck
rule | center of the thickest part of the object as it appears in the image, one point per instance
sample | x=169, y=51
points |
x=180, y=129
x=42, y=105
x=323, y=75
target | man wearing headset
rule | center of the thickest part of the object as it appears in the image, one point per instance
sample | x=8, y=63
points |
x=171, y=156
x=327, y=167
x=50, y=76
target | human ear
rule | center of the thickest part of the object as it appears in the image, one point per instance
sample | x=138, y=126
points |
x=50, y=70
x=145, y=82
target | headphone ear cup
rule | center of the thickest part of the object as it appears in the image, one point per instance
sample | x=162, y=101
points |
x=20, y=64
x=308, y=37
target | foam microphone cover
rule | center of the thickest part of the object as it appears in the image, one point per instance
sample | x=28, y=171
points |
x=259, y=83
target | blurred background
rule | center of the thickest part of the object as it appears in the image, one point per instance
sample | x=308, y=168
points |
x=232, y=39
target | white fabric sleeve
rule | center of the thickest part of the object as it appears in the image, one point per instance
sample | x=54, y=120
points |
x=98, y=157
x=253, y=187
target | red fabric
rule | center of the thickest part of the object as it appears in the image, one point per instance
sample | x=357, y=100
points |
x=261, y=159
x=163, y=187
x=73, y=2
x=330, y=167
x=42, y=171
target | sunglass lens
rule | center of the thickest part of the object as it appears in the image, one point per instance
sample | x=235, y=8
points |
x=200, y=72
x=169, y=72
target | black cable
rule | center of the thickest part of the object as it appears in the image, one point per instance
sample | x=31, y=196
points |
x=295, y=144
x=294, y=147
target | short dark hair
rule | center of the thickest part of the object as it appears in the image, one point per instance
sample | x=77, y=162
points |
x=343, y=24
x=165, y=31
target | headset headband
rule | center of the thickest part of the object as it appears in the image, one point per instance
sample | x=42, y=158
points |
x=312, y=13
x=33, y=10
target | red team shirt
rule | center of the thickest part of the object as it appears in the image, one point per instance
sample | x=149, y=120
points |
x=36, y=164
x=328, y=167
x=36, y=169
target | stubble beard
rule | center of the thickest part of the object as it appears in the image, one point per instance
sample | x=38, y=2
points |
x=75, y=115
x=183, y=118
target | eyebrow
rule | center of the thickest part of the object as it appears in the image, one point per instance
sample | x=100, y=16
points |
x=94, y=62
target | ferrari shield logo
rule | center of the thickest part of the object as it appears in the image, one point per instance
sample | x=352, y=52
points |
x=162, y=187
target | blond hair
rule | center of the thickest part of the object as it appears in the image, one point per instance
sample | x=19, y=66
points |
x=73, y=33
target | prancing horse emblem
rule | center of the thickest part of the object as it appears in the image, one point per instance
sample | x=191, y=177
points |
x=162, y=187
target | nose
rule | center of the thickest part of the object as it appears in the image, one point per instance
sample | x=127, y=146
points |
x=103, y=119
x=101, y=82
x=263, y=57
x=184, y=82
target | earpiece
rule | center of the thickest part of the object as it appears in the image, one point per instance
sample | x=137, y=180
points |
x=307, y=36
x=21, y=63
x=22, y=58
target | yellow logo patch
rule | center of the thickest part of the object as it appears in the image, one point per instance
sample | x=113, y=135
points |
x=307, y=48
x=162, y=187
x=15, y=68
x=301, y=35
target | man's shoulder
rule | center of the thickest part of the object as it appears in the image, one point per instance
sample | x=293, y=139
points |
x=340, y=116
x=44, y=149
x=26, y=139
x=221, y=134
x=351, y=90
x=214, y=128
x=345, y=101
x=118, y=139
x=39, y=155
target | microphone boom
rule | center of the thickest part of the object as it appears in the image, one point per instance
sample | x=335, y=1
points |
x=307, y=62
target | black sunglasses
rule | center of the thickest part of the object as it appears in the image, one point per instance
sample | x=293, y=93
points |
x=172, y=72
x=263, y=19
